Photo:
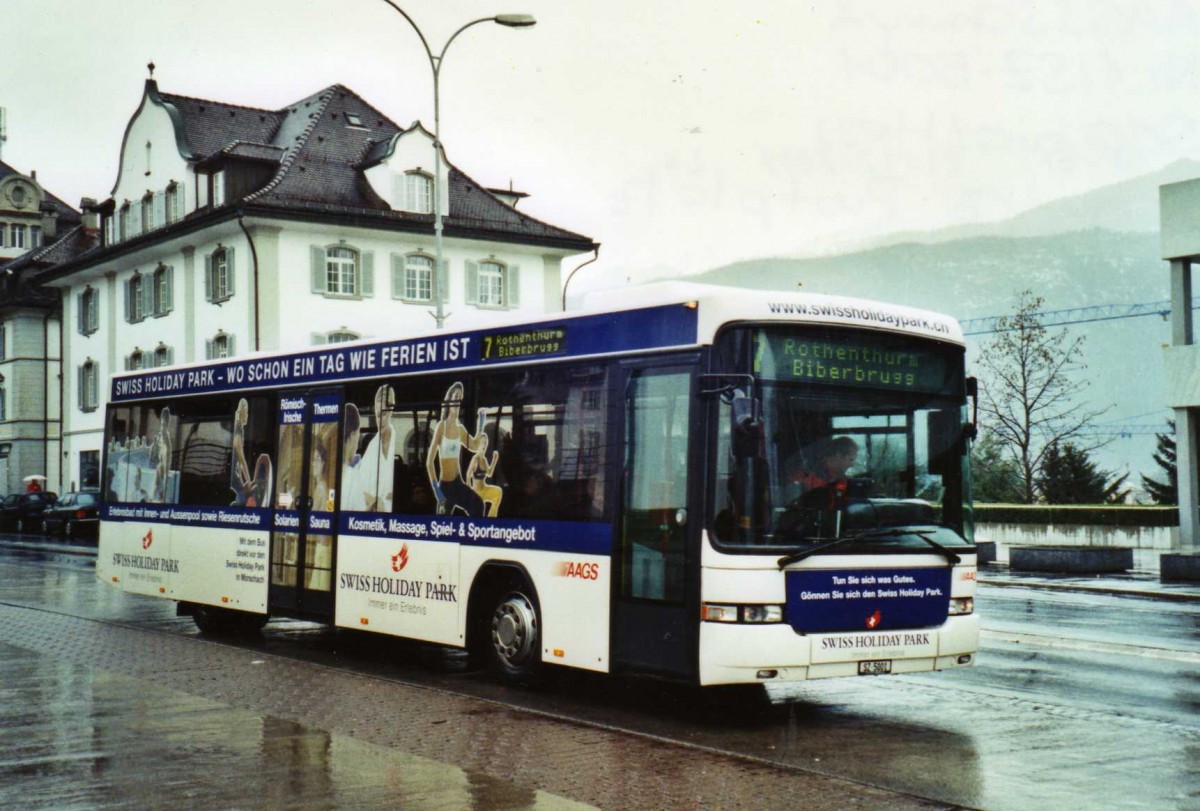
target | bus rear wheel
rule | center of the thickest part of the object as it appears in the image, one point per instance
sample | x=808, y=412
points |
x=515, y=635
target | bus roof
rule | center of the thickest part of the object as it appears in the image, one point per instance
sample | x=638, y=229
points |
x=649, y=318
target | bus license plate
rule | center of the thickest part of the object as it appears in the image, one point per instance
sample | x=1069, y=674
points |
x=875, y=668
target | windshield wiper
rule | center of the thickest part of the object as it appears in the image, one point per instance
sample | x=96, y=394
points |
x=874, y=534
x=794, y=557
x=923, y=534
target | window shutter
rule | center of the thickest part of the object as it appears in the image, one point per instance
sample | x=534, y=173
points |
x=367, y=270
x=160, y=208
x=318, y=269
x=230, y=344
x=80, y=316
x=135, y=219
x=230, y=272
x=208, y=349
x=129, y=300
x=208, y=277
x=79, y=386
x=168, y=303
x=128, y=362
x=472, y=282
x=319, y=338
x=170, y=355
x=397, y=276
x=512, y=287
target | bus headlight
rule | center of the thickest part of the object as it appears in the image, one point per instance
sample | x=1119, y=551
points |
x=757, y=614
x=962, y=605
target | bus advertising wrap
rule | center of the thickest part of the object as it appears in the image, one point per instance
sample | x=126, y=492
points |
x=650, y=328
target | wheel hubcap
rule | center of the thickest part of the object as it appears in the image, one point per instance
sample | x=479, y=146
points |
x=514, y=629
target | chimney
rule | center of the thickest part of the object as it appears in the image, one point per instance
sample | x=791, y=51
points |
x=49, y=223
x=91, y=219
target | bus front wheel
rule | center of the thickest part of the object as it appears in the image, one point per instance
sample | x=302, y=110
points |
x=516, y=639
x=217, y=621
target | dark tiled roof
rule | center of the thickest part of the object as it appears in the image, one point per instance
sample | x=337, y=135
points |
x=265, y=152
x=320, y=154
x=210, y=126
x=17, y=287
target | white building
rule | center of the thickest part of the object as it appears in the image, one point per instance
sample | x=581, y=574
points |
x=233, y=229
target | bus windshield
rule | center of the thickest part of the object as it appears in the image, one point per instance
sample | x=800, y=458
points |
x=852, y=433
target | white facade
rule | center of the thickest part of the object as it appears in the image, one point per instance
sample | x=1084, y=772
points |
x=276, y=266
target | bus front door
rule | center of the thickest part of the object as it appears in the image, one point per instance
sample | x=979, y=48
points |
x=651, y=628
x=303, y=527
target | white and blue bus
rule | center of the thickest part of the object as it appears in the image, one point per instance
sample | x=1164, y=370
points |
x=711, y=485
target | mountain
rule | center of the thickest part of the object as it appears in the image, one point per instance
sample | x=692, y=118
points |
x=1129, y=205
x=1097, y=248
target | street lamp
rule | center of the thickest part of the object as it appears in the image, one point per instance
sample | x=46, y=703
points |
x=435, y=63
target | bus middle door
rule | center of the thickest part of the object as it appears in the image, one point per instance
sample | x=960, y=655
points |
x=303, y=527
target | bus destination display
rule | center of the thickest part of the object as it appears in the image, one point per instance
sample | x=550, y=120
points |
x=858, y=360
x=540, y=342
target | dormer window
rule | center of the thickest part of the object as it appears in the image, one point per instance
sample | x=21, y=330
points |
x=418, y=193
x=174, y=202
x=148, y=223
x=353, y=120
x=218, y=188
x=123, y=222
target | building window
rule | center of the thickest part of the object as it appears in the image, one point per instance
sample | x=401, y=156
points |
x=174, y=202
x=162, y=293
x=492, y=284
x=18, y=236
x=89, y=386
x=354, y=120
x=136, y=360
x=135, y=298
x=218, y=274
x=3, y=341
x=123, y=221
x=341, y=336
x=418, y=193
x=3, y=231
x=163, y=355
x=414, y=279
x=3, y=403
x=147, y=213
x=218, y=186
x=35, y=236
x=339, y=270
x=88, y=304
x=219, y=346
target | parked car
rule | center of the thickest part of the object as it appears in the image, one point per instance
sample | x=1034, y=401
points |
x=23, y=511
x=74, y=515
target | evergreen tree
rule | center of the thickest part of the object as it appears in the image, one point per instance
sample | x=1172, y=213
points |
x=1165, y=492
x=1069, y=476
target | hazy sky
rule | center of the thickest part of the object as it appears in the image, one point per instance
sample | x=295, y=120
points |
x=680, y=135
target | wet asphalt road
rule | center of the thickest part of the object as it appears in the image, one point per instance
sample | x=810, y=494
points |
x=1078, y=701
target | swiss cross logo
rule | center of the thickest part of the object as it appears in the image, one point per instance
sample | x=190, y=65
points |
x=874, y=620
x=400, y=559
x=147, y=539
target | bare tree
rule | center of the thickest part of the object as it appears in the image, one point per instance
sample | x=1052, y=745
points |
x=1031, y=390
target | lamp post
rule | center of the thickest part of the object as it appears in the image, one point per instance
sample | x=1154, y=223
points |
x=435, y=64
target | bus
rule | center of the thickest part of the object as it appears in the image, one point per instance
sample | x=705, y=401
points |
x=710, y=485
